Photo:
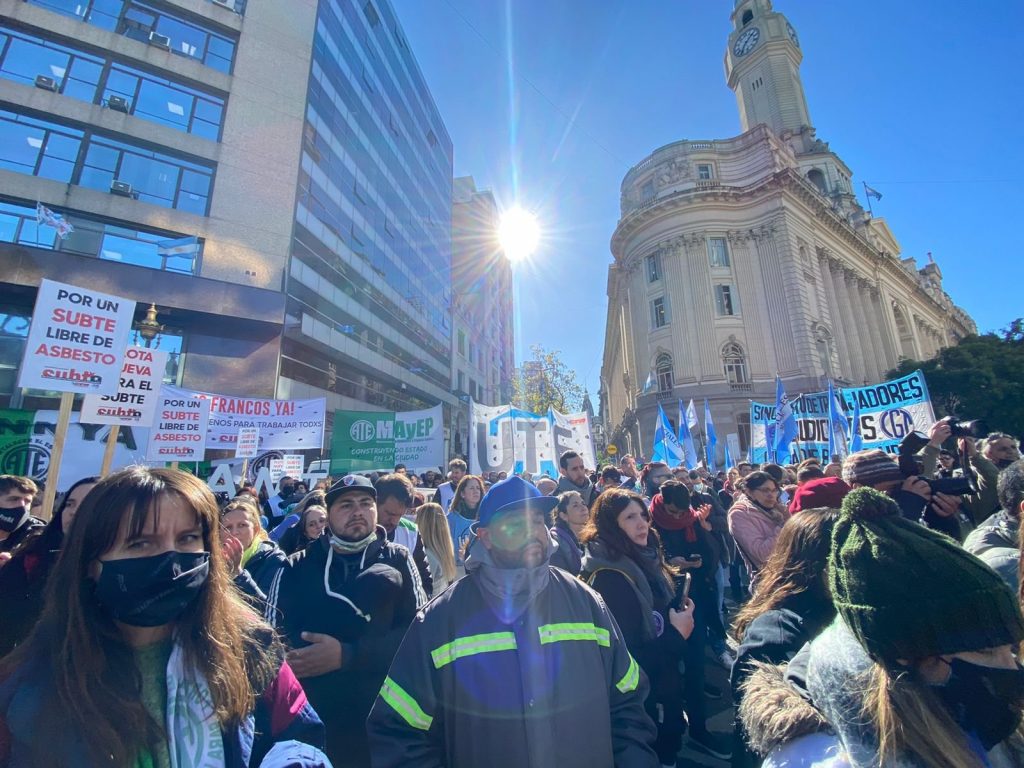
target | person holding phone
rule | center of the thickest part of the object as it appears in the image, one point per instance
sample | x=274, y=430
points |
x=623, y=561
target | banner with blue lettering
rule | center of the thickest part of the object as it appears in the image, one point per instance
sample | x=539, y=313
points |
x=888, y=411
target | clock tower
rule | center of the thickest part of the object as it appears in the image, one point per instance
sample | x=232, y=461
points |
x=762, y=66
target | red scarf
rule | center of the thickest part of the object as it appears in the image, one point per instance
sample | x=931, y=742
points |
x=686, y=522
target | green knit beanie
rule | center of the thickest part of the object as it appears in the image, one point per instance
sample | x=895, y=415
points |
x=908, y=592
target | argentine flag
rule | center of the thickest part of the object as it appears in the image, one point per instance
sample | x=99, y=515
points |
x=786, y=428
x=686, y=437
x=666, y=444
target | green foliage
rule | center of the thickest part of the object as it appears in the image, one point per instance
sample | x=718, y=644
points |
x=544, y=382
x=980, y=378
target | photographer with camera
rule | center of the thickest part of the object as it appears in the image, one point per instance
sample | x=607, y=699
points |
x=914, y=494
x=979, y=496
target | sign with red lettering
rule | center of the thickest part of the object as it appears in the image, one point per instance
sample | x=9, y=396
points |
x=179, y=432
x=283, y=424
x=248, y=444
x=77, y=340
x=135, y=401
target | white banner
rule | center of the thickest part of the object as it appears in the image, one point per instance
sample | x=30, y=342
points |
x=293, y=465
x=276, y=470
x=76, y=341
x=506, y=439
x=283, y=424
x=179, y=433
x=419, y=438
x=248, y=443
x=135, y=401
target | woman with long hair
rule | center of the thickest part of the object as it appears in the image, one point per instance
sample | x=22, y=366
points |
x=284, y=533
x=755, y=519
x=570, y=518
x=23, y=579
x=462, y=514
x=145, y=654
x=624, y=563
x=437, y=543
x=921, y=667
x=308, y=528
x=789, y=607
x=260, y=558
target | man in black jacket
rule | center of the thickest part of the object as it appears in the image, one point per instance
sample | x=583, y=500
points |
x=16, y=524
x=344, y=604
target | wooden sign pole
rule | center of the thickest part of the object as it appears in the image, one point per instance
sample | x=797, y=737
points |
x=67, y=399
x=108, y=453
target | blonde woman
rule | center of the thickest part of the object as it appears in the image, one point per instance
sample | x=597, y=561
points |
x=261, y=558
x=437, y=543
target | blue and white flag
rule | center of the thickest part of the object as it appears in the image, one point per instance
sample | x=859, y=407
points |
x=838, y=425
x=728, y=456
x=686, y=438
x=786, y=428
x=856, y=439
x=184, y=246
x=666, y=444
x=691, y=416
x=712, y=439
x=649, y=384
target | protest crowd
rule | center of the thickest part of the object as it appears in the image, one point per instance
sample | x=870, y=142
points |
x=867, y=612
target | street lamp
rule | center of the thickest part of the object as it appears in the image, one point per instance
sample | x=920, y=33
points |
x=148, y=328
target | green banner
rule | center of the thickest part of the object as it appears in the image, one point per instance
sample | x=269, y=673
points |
x=15, y=442
x=367, y=440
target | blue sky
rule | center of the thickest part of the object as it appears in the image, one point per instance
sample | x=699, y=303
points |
x=551, y=101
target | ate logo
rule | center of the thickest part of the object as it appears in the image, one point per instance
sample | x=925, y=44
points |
x=362, y=431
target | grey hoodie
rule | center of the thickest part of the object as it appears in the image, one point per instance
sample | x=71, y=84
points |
x=995, y=543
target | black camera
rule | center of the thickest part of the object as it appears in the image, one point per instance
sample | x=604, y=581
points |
x=976, y=428
x=910, y=446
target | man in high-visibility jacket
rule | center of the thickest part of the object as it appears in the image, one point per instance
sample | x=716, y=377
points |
x=518, y=664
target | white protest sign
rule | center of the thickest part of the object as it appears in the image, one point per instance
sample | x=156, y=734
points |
x=76, y=341
x=294, y=465
x=248, y=442
x=179, y=432
x=135, y=401
x=276, y=470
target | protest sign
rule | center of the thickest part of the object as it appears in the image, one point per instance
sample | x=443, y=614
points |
x=294, y=465
x=248, y=443
x=888, y=411
x=276, y=470
x=283, y=424
x=77, y=340
x=134, y=404
x=27, y=440
x=506, y=439
x=179, y=433
x=368, y=440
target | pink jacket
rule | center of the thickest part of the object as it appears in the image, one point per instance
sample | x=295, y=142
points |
x=755, y=531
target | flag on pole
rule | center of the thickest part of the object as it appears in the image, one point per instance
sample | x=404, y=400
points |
x=871, y=192
x=728, y=456
x=856, y=439
x=691, y=415
x=786, y=428
x=712, y=439
x=649, y=384
x=666, y=444
x=183, y=246
x=838, y=425
x=686, y=438
x=45, y=216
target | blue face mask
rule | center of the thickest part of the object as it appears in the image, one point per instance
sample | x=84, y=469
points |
x=152, y=591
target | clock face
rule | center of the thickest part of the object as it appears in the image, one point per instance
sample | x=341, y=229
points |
x=745, y=43
x=792, y=34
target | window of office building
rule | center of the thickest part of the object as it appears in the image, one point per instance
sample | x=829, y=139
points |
x=666, y=375
x=735, y=363
x=654, y=267
x=24, y=58
x=659, y=312
x=38, y=148
x=163, y=101
x=726, y=303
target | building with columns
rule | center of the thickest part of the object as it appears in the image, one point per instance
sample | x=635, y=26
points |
x=738, y=259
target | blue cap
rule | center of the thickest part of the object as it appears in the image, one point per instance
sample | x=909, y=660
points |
x=510, y=494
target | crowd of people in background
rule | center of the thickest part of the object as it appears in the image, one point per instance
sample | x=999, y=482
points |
x=867, y=610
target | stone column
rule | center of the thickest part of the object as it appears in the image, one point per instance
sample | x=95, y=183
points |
x=759, y=345
x=778, y=309
x=850, y=328
x=883, y=312
x=702, y=335
x=881, y=362
x=835, y=316
x=864, y=327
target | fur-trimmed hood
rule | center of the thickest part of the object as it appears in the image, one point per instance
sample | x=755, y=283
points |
x=773, y=711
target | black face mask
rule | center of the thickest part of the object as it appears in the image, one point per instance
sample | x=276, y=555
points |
x=12, y=518
x=151, y=591
x=984, y=700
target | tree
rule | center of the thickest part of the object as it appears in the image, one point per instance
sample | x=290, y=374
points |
x=982, y=377
x=544, y=382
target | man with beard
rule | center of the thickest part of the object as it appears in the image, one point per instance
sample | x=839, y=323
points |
x=574, y=477
x=518, y=664
x=343, y=605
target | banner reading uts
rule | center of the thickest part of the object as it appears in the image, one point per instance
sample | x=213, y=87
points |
x=283, y=424
x=888, y=411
